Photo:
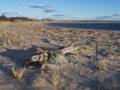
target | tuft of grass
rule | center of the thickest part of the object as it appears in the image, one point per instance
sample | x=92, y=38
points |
x=17, y=73
x=55, y=79
x=40, y=82
x=103, y=65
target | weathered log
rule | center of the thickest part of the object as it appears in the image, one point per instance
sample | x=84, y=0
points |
x=69, y=50
x=42, y=56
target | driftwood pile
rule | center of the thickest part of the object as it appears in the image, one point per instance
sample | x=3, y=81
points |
x=43, y=56
x=40, y=57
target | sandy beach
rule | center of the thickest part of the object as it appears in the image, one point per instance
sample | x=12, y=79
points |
x=94, y=66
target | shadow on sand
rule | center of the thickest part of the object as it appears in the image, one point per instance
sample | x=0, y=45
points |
x=19, y=58
x=18, y=53
x=16, y=57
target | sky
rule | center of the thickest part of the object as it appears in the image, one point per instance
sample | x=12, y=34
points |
x=62, y=9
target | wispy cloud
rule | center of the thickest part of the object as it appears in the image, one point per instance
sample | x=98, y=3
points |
x=103, y=17
x=114, y=16
x=46, y=8
x=49, y=10
x=59, y=15
x=41, y=6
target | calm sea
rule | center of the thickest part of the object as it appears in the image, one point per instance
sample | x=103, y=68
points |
x=99, y=26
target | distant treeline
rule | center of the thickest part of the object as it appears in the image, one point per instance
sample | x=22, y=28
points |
x=4, y=18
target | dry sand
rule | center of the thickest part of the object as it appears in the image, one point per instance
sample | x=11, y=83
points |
x=83, y=71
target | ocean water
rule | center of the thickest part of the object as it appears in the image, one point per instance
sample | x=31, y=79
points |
x=99, y=26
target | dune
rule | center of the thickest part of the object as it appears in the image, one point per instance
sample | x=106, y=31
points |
x=95, y=65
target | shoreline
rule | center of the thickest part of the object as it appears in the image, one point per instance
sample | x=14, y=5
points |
x=86, y=25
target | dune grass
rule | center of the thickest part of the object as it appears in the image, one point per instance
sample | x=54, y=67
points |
x=16, y=33
x=17, y=73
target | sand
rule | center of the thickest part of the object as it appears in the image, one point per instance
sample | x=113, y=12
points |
x=88, y=69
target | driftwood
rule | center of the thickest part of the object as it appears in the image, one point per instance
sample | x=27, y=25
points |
x=40, y=57
x=43, y=56
x=69, y=50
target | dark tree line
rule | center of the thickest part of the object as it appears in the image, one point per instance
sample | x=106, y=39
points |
x=5, y=18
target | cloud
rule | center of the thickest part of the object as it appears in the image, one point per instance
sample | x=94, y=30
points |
x=116, y=15
x=41, y=6
x=111, y=17
x=59, y=15
x=49, y=10
x=104, y=17
x=46, y=8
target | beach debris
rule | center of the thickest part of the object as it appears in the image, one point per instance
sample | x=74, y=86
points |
x=56, y=58
x=42, y=56
x=87, y=50
x=70, y=49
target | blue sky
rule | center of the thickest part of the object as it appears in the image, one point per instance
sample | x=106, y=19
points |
x=63, y=9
